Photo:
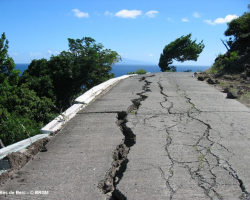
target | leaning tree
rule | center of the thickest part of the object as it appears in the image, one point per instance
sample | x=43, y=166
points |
x=182, y=49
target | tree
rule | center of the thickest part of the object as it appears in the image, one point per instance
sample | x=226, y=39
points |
x=182, y=49
x=8, y=76
x=83, y=66
x=69, y=74
x=239, y=27
x=239, y=32
x=22, y=112
x=38, y=75
x=7, y=64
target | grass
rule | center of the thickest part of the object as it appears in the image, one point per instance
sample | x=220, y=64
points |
x=201, y=159
x=245, y=99
x=133, y=111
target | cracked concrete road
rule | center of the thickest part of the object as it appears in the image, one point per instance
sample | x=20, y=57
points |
x=178, y=139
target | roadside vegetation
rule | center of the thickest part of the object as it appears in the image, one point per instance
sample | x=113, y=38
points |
x=48, y=87
x=139, y=71
x=231, y=71
x=170, y=70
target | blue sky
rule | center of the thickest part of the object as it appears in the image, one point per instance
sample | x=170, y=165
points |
x=136, y=29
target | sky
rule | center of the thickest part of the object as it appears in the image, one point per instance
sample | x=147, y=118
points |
x=136, y=29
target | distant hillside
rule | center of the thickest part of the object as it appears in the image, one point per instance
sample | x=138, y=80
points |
x=126, y=61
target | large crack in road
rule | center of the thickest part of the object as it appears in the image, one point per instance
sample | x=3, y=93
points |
x=120, y=160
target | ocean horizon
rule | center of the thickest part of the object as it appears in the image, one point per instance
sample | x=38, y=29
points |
x=123, y=69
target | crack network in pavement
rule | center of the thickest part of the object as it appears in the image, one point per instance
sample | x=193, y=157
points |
x=206, y=183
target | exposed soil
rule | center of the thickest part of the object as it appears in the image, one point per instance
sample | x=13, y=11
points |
x=238, y=85
x=18, y=159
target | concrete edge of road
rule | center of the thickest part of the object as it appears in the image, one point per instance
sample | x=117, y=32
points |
x=56, y=124
x=80, y=103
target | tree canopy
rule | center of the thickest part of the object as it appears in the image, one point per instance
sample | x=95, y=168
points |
x=69, y=74
x=7, y=65
x=182, y=49
x=239, y=32
x=48, y=87
x=239, y=27
x=22, y=111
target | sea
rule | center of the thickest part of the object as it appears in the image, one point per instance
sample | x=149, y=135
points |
x=123, y=69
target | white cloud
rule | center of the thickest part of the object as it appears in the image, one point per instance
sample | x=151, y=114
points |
x=151, y=55
x=107, y=13
x=35, y=54
x=209, y=22
x=128, y=13
x=185, y=20
x=13, y=54
x=80, y=14
x=152, y=13
x=228, y=18
x=196, y=14
x=55, y=52
x=170, y=19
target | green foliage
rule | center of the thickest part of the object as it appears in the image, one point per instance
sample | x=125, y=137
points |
x=21, y=111
x=171, y=70
x=38, y=78
x=239, y=32
x=7, y=65
x=233, y=56
x=69, y=74
x=17, y=128
x=182, y=49
x=222, y=61
x=139, y=71
x=28, y=102
x=21, y=106
x=239, y=27
x=218, y=65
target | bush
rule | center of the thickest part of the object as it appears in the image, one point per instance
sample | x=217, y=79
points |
x=223, y=61
x=169, y=71
x=189, y=70
x=233, y=56
x=17, y=128
x=218, y=65
x=139, y=71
